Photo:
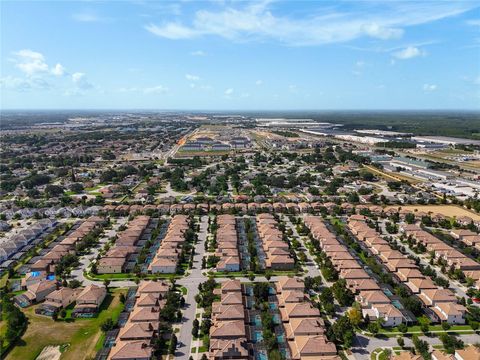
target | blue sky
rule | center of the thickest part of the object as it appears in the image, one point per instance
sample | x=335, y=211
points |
x=240, y=55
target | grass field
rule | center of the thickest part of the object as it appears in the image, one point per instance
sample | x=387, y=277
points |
x=447, y=210
x=80, y=336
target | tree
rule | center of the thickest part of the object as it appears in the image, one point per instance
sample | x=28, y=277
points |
x=424, y=323
x=344, y=295
x=403, y=328
x=355, y=316
x=373, y=328
x=450, y=343
x=195, y=326
x=106, y=282
x=77, y=188
x=445, y=326
x=53, y=190
x=400, y=342
x=173, y=345
x=107, y=325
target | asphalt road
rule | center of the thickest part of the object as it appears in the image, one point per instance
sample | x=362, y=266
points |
x=191, y=282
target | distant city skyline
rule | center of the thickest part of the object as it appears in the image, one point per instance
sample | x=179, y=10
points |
x=240, y=56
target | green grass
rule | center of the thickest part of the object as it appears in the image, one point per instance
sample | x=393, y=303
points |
x=80, y=337
x=123, y=276
x=202, y=349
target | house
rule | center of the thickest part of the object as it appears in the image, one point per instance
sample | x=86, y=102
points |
x=163, y=266
x=406, y=274
x=298, y=310
x=230, y=286
x=159, y=288
x=418, y=284
x=304, y=327
x=222, y=312
x=229, y=263
x=145, y=314
x=471, y=352
x=138, y=331
x=229, y=349
x=57, y=300
x=131, y=350
x=311, y=347
x=62, y=297
x=390, y=314
x=450, y=312
x=406, y=355
x=440, y=355
x=431, y=297
x=89, y=300
x=225, y=330
x=110, y=265
x=374, y=297
x=35, y=293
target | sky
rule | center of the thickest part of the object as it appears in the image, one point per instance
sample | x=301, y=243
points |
x=240, y=55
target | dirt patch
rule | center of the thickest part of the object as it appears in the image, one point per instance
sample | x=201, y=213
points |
x=447, y=210
x=50, y=353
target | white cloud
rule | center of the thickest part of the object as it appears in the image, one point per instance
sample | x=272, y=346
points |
x=81, y=82
x=24, y=84
x=89, y=17
x=244, y=21
x=159, y=89
x=429, y=87
x=293, y=88
x=172, y=31
x=58, y=70
x=30, y=62
x=198, y=53
x=191, y=77
x=229, y=91
x=409, y=52
x=259, y=82
x=474, y=22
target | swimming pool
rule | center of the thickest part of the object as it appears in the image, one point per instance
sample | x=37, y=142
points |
x=397, y=304
x=35, y=273
x=387, y=292
x=262, y=355
x=276, y=319
x=258, y=320
x=272, y=306
x=280, y=339
x=51, y=277
x=257, y=336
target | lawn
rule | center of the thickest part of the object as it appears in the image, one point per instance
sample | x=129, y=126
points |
x=81, y=335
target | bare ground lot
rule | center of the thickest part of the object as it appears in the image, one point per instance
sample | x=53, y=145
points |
x=447, y=210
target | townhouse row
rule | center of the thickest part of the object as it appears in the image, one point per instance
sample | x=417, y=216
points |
x=66, y=246
x=227, y=243
x=170, y=251
x=304, y=327
x=14, y=246
x=117, y=257
x=448, y=254
x=277, y=251
x=136, y=338
x=367, y=291
x=467, y=237
x=442, y=302
x=228, y=333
